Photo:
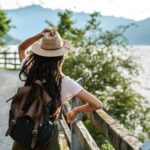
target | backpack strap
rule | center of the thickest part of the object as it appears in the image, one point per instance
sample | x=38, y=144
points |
x=13, y=122
x=17, y=113
x=10, y=98
x=35, y=133
x=37, y=122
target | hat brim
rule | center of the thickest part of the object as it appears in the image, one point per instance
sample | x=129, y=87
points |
x=36, y=48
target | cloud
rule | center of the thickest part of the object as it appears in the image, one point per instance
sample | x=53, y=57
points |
x=135, y=9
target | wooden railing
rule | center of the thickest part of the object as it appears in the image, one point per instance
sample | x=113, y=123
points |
x=79, y=138
x=9, y=60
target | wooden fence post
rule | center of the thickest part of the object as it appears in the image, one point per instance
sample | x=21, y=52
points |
x=5, y=59
x=6, y=56
x=15, y=58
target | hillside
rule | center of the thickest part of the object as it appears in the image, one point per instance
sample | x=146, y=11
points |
x=30, y=20
x=11, y=40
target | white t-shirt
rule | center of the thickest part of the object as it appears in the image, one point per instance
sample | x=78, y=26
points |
x=69, y=87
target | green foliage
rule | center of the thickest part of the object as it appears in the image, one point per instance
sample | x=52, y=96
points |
x=99, y=139
x=101, y=71
x=4, y=26
x=103, y=61
x=66, y=28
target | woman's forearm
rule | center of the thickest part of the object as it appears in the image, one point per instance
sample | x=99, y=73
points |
x=28, y=42
x=84, y=108
x=24, y=45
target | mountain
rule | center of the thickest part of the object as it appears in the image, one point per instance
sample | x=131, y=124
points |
x=31, y=20
x=11, y=40
x=140, y=34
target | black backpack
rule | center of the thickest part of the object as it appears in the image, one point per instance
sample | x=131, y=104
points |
x=32, y=127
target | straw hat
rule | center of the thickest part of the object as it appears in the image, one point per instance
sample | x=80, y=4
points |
x=51, y=46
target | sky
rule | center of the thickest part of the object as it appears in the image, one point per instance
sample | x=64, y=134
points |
x=133, y=9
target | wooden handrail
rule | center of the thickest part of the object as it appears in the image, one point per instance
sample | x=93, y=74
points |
x=83, y=139
x=115, y=133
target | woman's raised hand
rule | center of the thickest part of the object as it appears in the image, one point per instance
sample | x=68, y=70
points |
x=51, y=31
x=45, y=30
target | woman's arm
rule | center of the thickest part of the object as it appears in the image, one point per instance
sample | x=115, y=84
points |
x=28, y=42
x=92, y=103
x=24, y=45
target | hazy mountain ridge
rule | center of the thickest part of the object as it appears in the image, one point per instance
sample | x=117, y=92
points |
x=11, y=40
x=30, y=20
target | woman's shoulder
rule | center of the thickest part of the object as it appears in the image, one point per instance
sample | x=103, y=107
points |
x=70, y=88
x=67, y=79
x=69, y=82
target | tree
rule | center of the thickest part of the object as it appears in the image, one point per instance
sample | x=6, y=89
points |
x=107, y=71
x=66, y=28
x=4, y=25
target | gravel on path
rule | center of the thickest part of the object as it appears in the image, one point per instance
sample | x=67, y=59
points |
x=8, y=87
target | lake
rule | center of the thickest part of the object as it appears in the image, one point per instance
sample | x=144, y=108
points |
x=143, y=55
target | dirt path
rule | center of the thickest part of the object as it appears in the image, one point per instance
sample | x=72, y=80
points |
x=8, y=86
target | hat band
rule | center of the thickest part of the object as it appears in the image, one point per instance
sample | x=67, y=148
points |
x=51, y=48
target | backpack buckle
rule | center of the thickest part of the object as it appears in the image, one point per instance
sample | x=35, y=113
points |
x=13, y=122
x=34, y=138
x=34, y=132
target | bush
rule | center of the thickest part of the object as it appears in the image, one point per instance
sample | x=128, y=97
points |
x=4, y=26
x=108, y=71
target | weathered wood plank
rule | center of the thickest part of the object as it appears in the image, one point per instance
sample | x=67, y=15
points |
x=84, y=137
x=66, y=130
x=63, y=142
x=116, y=134
x=82, y=134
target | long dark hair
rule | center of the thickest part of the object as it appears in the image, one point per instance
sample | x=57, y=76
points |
x=48, y=71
